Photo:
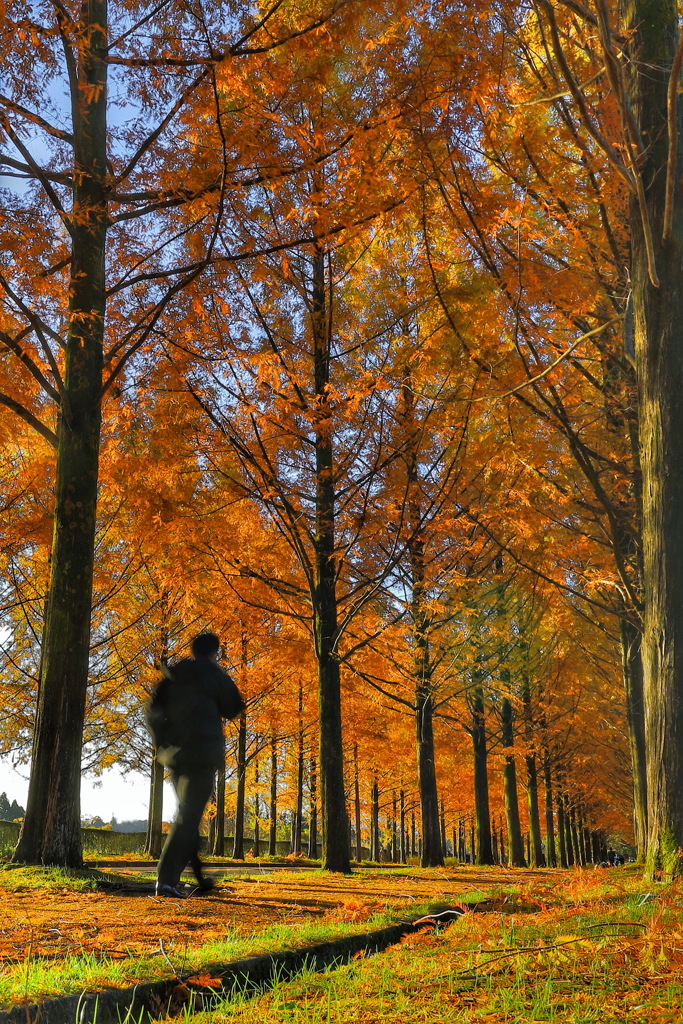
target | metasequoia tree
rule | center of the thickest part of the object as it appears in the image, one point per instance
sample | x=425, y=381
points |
x=558, y=270
x=637, y=58
x=91, y=260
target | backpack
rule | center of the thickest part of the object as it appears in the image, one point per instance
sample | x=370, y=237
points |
x=157, y=716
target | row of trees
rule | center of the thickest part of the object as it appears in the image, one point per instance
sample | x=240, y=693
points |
x=317, y=330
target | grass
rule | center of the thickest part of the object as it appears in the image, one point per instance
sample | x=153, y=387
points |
x=17, y=877
x=571, y=947
x=38, y=977
x=601, y=954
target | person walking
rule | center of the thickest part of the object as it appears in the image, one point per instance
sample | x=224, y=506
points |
x=185, y=718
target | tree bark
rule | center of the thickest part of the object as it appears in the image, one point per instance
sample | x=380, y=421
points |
x=432, y=852
x=238, y=838
x=356, y=801
x=51, y=833
x=550, y=850
x=536, y=858
x=335, y=822
x=515, y=843
x=484, y=851
x=299, y=811
x=257, y=811
x=272, y=832
x=312, y=810
x=153, y=840
x=561, y=832
x=632, y=664
x=652, y=27
x=374, y=822
x=219, y=837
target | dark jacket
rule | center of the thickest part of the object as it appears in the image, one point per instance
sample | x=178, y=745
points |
x=186, y=713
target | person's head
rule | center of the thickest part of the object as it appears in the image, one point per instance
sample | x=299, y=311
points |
x=205, y=645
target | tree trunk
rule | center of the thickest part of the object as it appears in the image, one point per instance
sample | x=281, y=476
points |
x=374, y=822
x=561, y=832
x=356, y=802
x=432, y=853
x=550, y=851
x=484, y=852
x=312, y=810
x=632, y=663
x=272, y=832
x=299, y=812
x=153, y=840
x=572, y=840
x=652, y=31
x=536, y=858
x=402, y=852
x=257, y=811
x=51, y=832
x=238, y=839
x=335, y=822
x=219, y=838
x=502, y=842
x=515, y=843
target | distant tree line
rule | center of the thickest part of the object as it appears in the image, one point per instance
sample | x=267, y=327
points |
x=10, y=811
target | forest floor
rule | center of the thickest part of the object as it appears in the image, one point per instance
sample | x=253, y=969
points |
x=573, y=946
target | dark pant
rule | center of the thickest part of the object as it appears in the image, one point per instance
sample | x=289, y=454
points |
x=193, y=788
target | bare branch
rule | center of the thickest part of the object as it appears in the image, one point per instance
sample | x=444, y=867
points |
x=29, y=418
x=153, y=136
x=36, y=170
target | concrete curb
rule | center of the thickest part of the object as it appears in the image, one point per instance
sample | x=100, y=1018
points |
x=251, y=976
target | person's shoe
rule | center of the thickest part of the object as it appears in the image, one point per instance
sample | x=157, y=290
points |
x=205, y=884
x=170, y=891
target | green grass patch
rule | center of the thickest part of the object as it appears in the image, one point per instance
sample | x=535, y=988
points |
x=39, y=978
x=17, y=877
x=615, y=958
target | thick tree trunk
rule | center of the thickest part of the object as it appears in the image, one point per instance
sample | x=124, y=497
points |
x=153, y=840
x=238, y=839
x=432, y=854
x=335, y=822
x=652, y=27
x=515, y=843
x=484, y=851
x=51, y=830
